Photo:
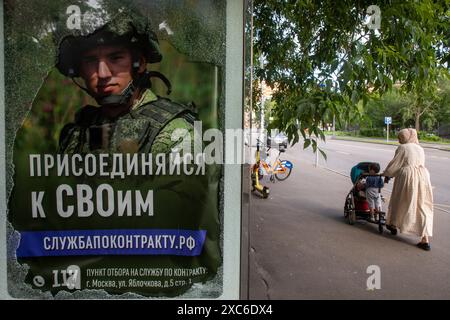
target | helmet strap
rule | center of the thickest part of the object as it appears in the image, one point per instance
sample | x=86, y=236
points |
x=133, y=89
x=114, y=99
x=128, y=94
x=118, y=99
x=80, y=86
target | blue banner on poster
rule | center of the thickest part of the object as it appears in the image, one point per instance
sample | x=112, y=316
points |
x=111, y=242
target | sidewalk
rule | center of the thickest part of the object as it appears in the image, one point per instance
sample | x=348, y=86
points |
x=303, y=248
x=443, y=146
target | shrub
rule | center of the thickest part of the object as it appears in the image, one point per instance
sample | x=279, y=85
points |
x=426, y=136
x=372, y=132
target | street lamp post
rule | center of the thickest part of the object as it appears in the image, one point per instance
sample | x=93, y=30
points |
x=317, y=153
x=261, y=61
x=334, y=125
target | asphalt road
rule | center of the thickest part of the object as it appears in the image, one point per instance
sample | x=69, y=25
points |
x=301, y=247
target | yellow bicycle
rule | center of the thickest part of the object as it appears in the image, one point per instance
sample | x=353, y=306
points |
x=280, y=170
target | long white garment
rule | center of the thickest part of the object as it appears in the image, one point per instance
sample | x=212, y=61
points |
x=411, y=204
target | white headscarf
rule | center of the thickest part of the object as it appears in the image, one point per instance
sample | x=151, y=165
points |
x=408, y=136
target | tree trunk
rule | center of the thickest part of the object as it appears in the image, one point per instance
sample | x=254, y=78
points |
x=417, y=125
x=418, y=112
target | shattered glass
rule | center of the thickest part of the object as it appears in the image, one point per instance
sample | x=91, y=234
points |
x=33, y=32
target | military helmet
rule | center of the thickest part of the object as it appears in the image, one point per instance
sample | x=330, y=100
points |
x=71, y=47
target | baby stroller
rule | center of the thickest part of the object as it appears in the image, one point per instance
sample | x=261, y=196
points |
x=356, y=205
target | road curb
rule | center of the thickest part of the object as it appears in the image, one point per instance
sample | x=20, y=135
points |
x=423, y=145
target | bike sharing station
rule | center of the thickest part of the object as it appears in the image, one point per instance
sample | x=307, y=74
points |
x=106, y=220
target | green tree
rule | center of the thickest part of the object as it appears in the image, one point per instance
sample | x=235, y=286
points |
x=443, y=104
x=324, y=57
x=409, y=109
x=392, y=104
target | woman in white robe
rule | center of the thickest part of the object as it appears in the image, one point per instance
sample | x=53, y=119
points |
x=411, y=204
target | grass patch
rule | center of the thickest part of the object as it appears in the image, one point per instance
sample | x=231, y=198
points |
x=355, y=135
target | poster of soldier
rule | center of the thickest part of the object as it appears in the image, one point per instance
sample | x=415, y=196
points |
x=114, y=181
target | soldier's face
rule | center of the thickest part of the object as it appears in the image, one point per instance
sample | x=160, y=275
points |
x=106, y=70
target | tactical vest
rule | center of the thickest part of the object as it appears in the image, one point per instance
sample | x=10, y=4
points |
x=136, y=130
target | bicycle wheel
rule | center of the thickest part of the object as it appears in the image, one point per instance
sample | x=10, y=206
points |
x=285, y=171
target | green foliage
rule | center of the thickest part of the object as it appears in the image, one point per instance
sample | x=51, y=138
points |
x=191, y=82
x=392, y=104
x=372, y=132
x=343, y=133
x=269, y=114
x=403, y=107
x=54, y=106
x=324, y=59
x=425, y=136
x=442, y=110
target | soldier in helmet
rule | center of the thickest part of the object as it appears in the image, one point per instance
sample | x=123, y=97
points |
x=130, y=117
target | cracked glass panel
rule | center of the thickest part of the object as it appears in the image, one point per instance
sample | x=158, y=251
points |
x=99, y=95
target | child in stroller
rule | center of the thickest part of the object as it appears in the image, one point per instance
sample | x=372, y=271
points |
x=364, y=201
x=373, y=184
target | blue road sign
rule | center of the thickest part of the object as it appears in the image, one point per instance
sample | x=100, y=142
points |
x=387, y=120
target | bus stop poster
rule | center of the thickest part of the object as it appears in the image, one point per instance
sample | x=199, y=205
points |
x=109, y=190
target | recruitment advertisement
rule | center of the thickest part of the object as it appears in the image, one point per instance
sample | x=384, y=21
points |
x=115, y=180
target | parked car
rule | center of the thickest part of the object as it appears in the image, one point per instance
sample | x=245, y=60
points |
x=280, y=140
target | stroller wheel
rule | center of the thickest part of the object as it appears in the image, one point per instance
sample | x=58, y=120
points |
x=265, y=192
x=380, y=228
x=348, y=206
x=349, y=210
x=351, y=217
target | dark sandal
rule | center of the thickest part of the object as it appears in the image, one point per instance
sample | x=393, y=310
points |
x=424, y=245
x=392, y=229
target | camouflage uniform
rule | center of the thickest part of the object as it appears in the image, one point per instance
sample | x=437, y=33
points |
x=148, y=127
x=188, y=202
